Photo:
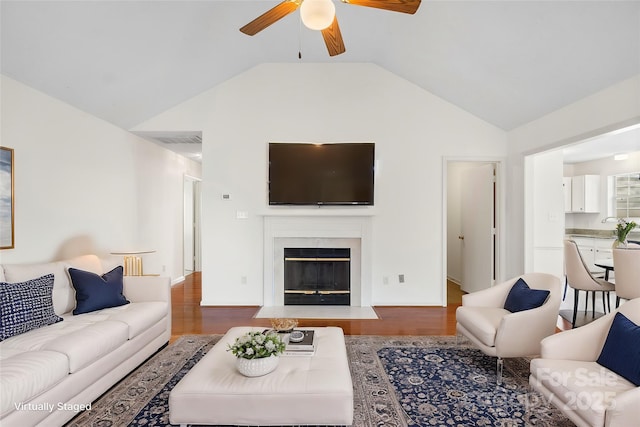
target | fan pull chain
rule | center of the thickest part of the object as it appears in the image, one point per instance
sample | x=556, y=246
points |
x=299, y=37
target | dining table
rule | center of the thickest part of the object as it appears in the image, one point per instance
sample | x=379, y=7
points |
x=606, y=264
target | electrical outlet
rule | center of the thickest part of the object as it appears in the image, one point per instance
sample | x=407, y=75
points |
x=385, y=280
x=243, y=280
x=400, y=278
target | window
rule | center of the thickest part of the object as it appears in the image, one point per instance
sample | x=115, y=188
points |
x=626, y=203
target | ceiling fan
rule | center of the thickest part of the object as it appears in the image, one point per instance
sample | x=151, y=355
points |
x=320, y=15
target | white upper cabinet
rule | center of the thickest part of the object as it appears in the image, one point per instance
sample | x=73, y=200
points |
x=585, y=193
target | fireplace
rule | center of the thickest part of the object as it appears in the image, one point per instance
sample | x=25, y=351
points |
x=317, y=276
x=291, y=231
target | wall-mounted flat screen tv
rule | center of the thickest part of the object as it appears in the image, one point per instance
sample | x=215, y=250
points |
x=321, y=174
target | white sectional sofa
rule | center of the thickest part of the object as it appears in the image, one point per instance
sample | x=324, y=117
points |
x=49, y=374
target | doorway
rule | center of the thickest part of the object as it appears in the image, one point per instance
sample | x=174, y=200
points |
x=549, y=216
x=191, y=226
x=472, y=224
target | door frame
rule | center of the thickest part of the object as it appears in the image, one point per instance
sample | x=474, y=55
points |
x=500, y=210
x=528, y=214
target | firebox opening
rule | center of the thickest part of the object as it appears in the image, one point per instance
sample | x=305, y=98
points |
x=317, y=276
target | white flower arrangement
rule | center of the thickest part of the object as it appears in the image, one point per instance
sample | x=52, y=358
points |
x=256, y=345
x=623, y=228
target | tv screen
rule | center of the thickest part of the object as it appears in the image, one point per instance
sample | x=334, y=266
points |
x=321, y=174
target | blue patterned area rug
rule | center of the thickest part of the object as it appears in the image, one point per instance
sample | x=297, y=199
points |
x=397, y=382
x=457, y=386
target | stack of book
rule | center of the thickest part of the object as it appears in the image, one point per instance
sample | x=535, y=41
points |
x=306, y=347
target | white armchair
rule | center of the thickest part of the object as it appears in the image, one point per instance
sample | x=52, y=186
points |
x=498, y=332
x=568, y=376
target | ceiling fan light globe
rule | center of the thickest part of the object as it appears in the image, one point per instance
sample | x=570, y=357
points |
x=317, y=14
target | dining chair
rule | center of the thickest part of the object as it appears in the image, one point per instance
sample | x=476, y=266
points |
x=626, y=264
x=580, y=279
x=597, y=274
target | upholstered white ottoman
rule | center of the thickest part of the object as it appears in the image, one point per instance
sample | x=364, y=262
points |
x=302, y=390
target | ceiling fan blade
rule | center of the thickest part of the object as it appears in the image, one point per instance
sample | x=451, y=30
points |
x=270, y=16
x=333, y=38
x=404, y=6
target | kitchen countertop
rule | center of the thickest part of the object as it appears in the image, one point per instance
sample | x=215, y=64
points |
x=599, y=234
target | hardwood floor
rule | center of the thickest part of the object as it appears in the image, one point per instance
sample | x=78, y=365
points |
x=189, y=318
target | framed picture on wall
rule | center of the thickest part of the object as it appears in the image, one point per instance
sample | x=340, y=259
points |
x=6, y=198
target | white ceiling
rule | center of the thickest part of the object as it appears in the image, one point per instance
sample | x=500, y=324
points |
x=623, y=141
x=507, y=62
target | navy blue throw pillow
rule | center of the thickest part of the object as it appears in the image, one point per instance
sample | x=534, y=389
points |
x=521, y=297
x=621, y=350
x=94, y=292
x=26, y=305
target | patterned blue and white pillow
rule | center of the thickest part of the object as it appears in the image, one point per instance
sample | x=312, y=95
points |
x=26, y=305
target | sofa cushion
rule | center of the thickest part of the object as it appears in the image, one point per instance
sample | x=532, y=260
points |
x=139, y=316
x=26, y=305
x=27, y=374
x=83, y=339
x=621, y=350
x=482, y=322
x=521, y=297
x=94, y=292
x=86, y=345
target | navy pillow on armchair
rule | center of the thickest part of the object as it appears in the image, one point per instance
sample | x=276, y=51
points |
x=521, y=297
x=94, y=292
x=621, y=350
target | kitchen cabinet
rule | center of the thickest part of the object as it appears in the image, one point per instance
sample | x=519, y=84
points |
x=585, y=194
x=603, y=249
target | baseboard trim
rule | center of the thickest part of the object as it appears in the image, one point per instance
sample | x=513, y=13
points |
x=456, y=281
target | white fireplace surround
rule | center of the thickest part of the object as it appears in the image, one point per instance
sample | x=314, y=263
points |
x=352, y=232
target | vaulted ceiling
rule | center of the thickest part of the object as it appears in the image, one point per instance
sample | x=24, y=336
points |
x=507, y=62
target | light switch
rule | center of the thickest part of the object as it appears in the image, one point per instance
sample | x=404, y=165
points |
x=242, y=214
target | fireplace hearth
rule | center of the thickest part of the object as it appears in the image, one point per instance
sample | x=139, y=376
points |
x=317, y=276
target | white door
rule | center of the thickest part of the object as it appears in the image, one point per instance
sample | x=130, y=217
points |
x=478, y=228
x=188, y=232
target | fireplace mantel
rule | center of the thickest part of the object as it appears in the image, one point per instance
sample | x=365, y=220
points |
x=352, y=231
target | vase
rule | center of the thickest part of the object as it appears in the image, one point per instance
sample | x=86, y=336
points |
x=257, y=367
x=617, y=244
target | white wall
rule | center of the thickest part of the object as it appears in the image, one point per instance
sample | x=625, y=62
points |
x=612, y=108
x=412, y=130
x=544, y=203
x=83, y=185
x=68, y=164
